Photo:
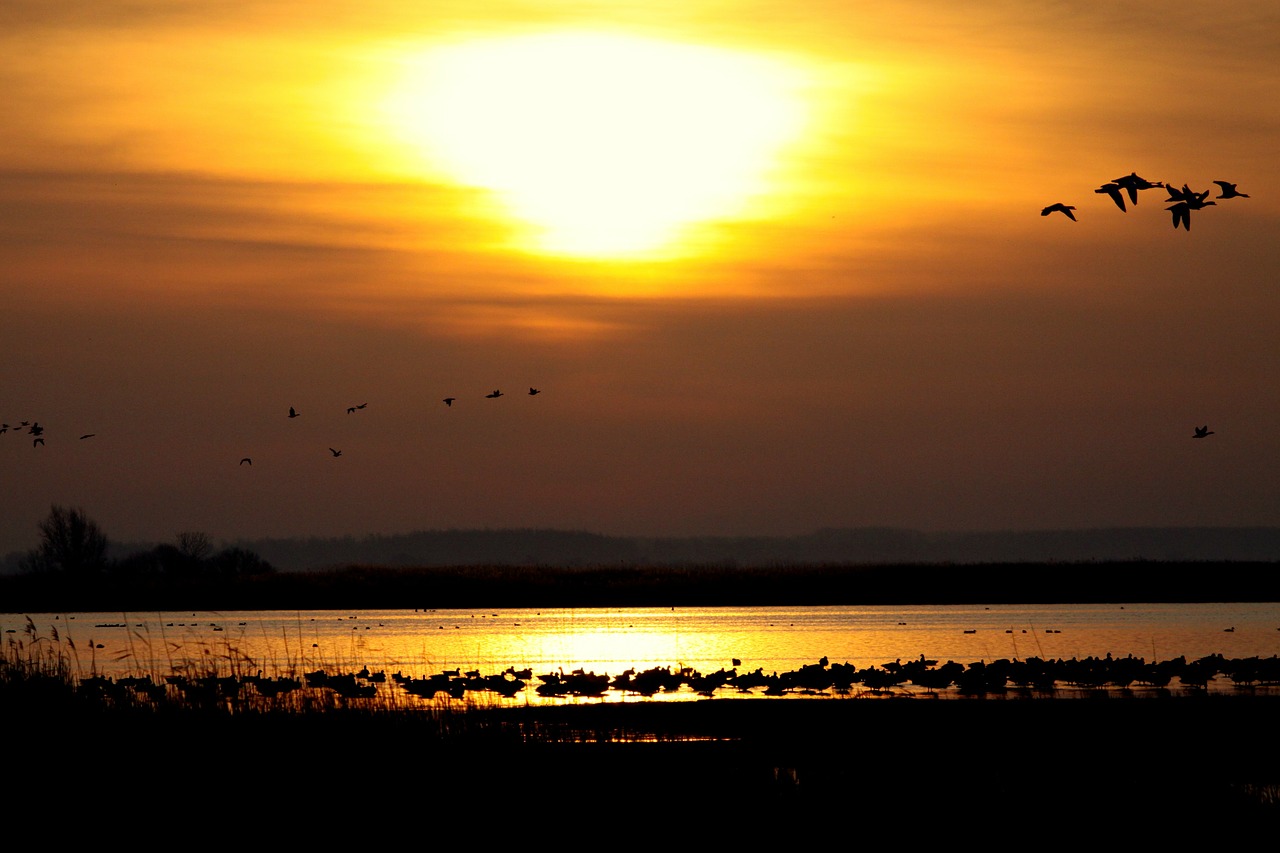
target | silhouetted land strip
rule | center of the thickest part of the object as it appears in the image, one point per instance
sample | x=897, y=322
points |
x=874, y=764
x=380, y=587
x=967, y=766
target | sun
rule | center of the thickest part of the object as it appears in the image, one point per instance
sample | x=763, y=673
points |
x=602, y=145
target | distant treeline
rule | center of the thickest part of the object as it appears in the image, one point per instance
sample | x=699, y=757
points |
x=836, y=546
x=363, y=587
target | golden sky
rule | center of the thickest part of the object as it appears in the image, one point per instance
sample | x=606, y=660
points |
x=774, y=267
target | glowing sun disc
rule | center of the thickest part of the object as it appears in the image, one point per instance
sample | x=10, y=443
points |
x=606, y=144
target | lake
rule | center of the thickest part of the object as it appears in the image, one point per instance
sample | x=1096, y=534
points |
x=609, y=641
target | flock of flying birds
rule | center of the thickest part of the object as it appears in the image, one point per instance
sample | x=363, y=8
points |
x=1184, y=200
x=36, y=431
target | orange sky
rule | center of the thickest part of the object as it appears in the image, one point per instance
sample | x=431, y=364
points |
x=773, y=267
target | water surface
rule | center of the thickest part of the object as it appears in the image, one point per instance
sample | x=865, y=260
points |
x=419, y=643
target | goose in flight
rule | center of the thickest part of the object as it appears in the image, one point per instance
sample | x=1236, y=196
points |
x=1203, y=432
x=1182, y=210
x=1059, y=207
x=1133, y=183
x=1181, y=215
x=448, y=401
x=246, y=461
x=351, y=409
x=496, y=393
x=1190, y=196
x=1229, y=190
x=87, y=435
x=336, y=453
x=292, y=412
x=533, y=391
x=1113, y=190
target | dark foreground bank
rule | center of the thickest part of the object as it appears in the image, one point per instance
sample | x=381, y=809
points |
x=811, y=770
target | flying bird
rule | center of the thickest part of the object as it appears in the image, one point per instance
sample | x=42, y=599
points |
x=495, y=394
x=37, y=442
x=87, y=435
x=351, y=409
x=1133, y=183
x=292, y=412
x=1229, y=190
x=1190, y=196
x=1203, y=432
x=1113, y=190
x=1181, y=215
x=533, y=391
x=336, y=453
x=448, y=401
x=246, y=461
x=1182, y=210
x=1059, y=207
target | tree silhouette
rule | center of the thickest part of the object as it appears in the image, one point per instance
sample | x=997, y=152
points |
x=194, y=545
x=70, y=542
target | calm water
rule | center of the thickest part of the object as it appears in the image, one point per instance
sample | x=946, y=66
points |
x=610, y=641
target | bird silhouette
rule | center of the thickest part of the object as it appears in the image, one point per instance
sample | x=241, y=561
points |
x=87, y=435
x=37, y=442
x=1059, y=207
x=292, y=412
x=448, y=401
x=495, y=394
x=1132, y=183
x=1182, y=210
x=246, y=461
x=336, y=453
x=350, y=409
x=1229, y=190
x=1188, y=195
x=1113, y=190
x=533, y=391
x=1203, y=432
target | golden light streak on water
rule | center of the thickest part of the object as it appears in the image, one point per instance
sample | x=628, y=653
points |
x=608, y=641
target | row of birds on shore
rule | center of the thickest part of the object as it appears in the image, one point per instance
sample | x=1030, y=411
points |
x=36, y=430
x=1184, y=199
